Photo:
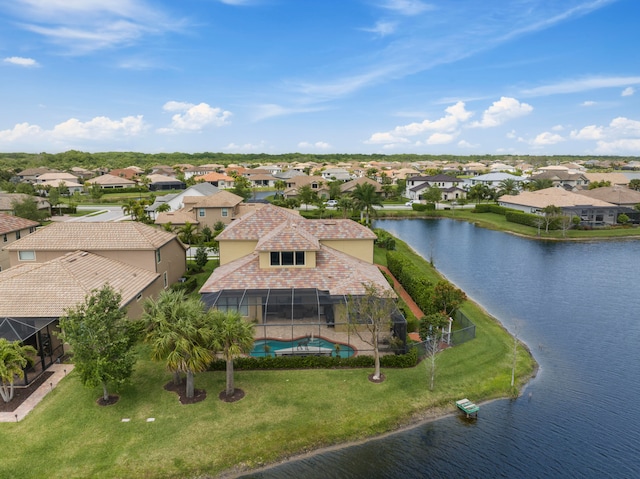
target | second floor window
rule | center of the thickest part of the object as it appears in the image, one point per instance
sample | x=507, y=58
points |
x=287, y=258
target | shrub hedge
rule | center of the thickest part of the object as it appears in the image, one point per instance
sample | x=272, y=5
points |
x=318, y=362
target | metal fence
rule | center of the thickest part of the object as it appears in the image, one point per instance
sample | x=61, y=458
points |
x=462, y=330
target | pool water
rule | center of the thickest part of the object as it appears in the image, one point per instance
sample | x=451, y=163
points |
x=298, y=346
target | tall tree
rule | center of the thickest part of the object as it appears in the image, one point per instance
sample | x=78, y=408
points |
x=28, y=208
x=307, y=196
x=365, y=198
x=431, y=332
x=101, y=338
x=188, y=233
x=551, y=212
x=280, y=186
x=508, y=186
x=370, y=316
x=233, y=336
x=178, y=330
x=540, y=184
x=14, y=357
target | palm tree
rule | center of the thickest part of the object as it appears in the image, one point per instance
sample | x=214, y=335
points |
x=365, y=197
x=129, y=208
x=163, y=208
x=345, y=205
x=233, y=336
x=508, y=186
x=188, y=233
x=14, y=357
x=179, y=333
x=280, y=186
x=540, y=184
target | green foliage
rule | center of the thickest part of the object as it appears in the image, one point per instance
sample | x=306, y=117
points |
x=423, y=207
x=28, y=208
x=408, y=360
x=623, y=219
x=101, y=339
x=202, y=256
x=492, y=208
x=14, y=357
x=384, y=239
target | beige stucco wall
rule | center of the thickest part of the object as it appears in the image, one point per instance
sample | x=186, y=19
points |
x=173, y=259
x=232, y=250
x=135, y=306
x=213, y=215
x=361, y=249
x=5, y=257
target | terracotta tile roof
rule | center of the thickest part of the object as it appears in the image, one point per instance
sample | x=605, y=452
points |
x=110, y=179
x=553, y=196
x=28, y=290
x=215, y=176
x=10, y=223
x=335, y=272
x=179, y=217
x=288, y=237
x=256, y=225
x=221, y=199
x=71, y=236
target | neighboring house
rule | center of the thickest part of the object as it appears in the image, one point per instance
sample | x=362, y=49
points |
x=261, y=179
x=30, y=175
x=615, y=179
x=176, y=200
x=82, y=173
x=336, y=174
x=110, y=181
x=590, y=210
x=7, y=200
x=130, y=242
x=221, y=206
x=617, y=195
x=51, y=177
x=563, y=178
x=316, y=183
x=291, y=275
x=126, y=173
x=493, y=180
x=12, y=228
x=35, y=295
x=162, y=182
x=350, y=186
x=72, y=186
x=448, y=185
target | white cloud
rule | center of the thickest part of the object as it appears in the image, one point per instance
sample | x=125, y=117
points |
x=466, y=144
x=511, y=134
x=449, y=123
x=382, y=28
x=99, y=127
x=590, y=132
x=588, y=103
x=22, y=62
x=20, y=131
x=557, y=128
x=625, y=126
x=546, y=138
x=585, y=84
x=246, y=147
x=193, y=117
x=441, y=138
x=502, y=111
x=88, y=25
x=627, y=145
x=629, y=91
x=407, y=7
x=319, y=145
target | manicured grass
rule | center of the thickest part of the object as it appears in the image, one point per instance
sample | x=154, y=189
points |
x=284, y=412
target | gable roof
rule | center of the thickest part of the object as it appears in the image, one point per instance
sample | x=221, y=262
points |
x=27, y=290
x=71, y=236
x=288, y=237
x=336, y=272
x=618, y=195
x=351, y=185
x=220, y=199
x=9, y=223
x=110, y=179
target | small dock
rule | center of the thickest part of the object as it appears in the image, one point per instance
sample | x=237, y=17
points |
x=469, y=408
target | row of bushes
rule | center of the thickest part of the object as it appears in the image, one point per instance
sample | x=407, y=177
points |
x=412, y=278
x=408, y=360
x=532, y=220
x=423, y=207
x=492, y=208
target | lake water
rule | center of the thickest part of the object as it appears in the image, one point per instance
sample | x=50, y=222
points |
x=577, y=306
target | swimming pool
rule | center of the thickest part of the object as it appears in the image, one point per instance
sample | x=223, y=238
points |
x=299, y=347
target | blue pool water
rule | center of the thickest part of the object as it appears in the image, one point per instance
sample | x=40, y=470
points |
x=299, y=345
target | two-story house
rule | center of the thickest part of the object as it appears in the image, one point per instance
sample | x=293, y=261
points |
x=12, y=228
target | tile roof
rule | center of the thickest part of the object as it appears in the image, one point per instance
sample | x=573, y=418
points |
x=553, y=196
x=110, y=179
x=288, y=237
x=10, y=223
x=220, y=199
x=179, y=217
x=618, y=195
x=336, y=272
x=70, y=236
x=256, y=225
x=28, y=290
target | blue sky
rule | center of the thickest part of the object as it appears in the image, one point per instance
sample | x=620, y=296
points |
x=461, y=77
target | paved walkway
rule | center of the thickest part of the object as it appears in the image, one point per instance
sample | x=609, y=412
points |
x=32, y=401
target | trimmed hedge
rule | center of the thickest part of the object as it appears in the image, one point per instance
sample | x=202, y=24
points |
x=412, y=279
x=492, y=208
x=421, y=207
x=408, y=360
x=529, y=219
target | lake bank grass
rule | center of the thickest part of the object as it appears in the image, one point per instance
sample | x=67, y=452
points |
x=284, y=413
